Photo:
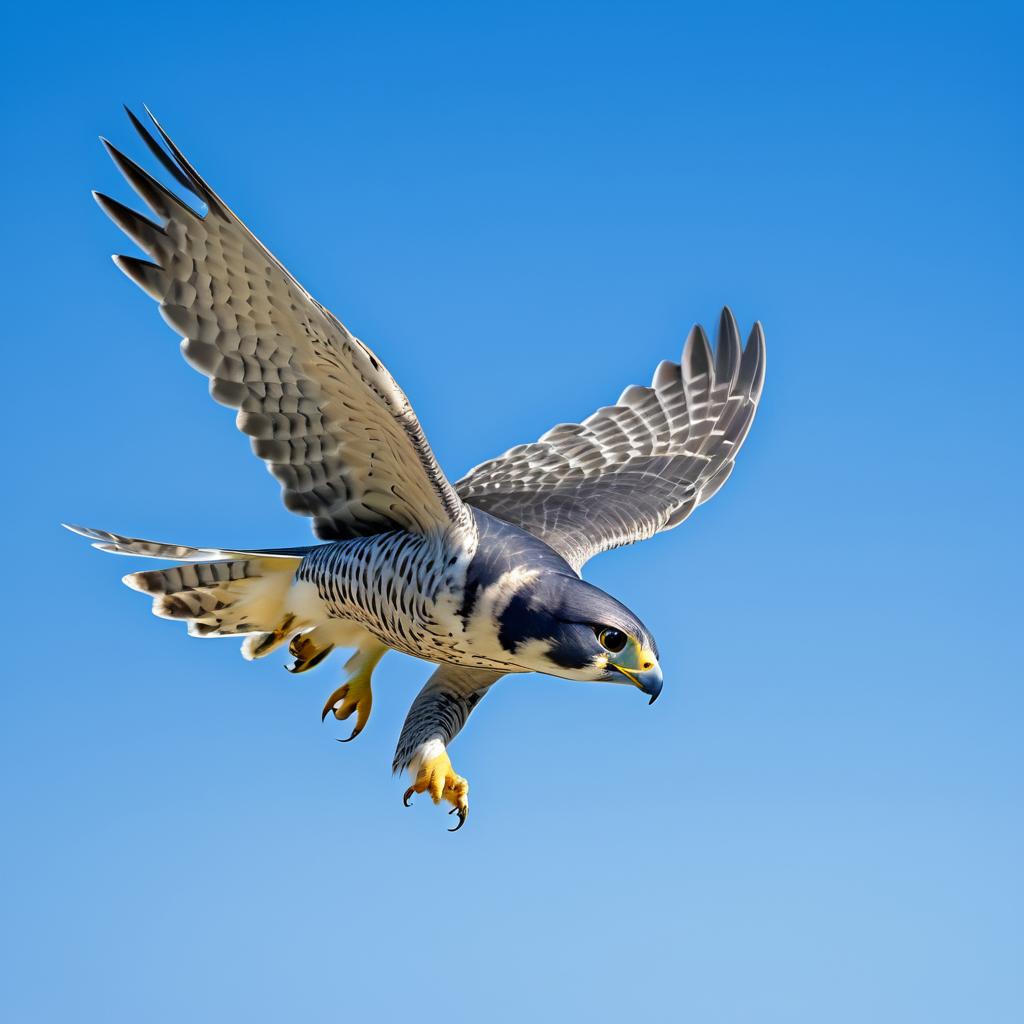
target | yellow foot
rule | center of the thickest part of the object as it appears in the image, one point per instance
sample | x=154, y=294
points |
x=306, y=653
x=356, y=695
x=436, y=777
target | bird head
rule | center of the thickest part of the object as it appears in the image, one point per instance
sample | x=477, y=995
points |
x=562, y=626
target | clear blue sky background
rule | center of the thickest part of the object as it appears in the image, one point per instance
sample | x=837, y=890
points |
x=523, y=208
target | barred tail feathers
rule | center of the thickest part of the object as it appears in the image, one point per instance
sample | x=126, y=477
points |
x=226, y=598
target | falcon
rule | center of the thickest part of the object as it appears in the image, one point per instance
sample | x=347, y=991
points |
x=480, y=577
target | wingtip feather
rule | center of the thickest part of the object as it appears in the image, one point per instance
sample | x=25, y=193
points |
x=196, y=183
x=160, y=153
x=752, y=366
x=150, y=277
x=140, y=229
x=728, y=349
x=697, y=358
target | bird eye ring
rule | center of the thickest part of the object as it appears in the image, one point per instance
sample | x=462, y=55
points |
x=613, y=640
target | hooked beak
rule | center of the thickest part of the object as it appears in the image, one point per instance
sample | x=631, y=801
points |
x=649, y=680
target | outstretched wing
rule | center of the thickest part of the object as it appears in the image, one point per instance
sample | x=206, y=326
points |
x=322, y=411
x=638, y=467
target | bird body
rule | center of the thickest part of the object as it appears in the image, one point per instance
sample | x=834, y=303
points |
x=480, y=577
x=439, y=598
x=403, y=588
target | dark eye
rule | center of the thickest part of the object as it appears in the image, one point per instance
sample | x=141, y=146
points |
x=612, y=639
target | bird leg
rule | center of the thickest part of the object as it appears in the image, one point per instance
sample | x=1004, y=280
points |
x=433, y=774
x=355, y=696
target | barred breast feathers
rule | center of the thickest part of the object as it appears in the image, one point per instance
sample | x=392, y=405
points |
x=393, y=583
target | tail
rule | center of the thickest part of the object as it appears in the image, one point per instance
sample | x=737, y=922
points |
x=218, y=592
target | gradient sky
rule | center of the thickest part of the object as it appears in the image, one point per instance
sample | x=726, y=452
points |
x=523, y=208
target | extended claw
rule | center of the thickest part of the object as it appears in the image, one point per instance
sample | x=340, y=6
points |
x=437, y=778
x=351, y=698
x=329, y=706
x=355, y=696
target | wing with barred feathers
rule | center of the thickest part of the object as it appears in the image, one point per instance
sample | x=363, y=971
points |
x=322, y=411
x=118, y=544
x=638, y=467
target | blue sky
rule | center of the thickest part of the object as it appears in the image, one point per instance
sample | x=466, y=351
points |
x=523, y=209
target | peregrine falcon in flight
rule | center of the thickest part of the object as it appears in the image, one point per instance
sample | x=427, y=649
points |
x=480, y=577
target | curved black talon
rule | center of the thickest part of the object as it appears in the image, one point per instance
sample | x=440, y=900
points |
x=463, y=815
x=333, y=701
x=355, y=733
x=408, y=793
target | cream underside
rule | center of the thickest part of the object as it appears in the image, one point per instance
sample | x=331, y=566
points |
x=311, y=617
